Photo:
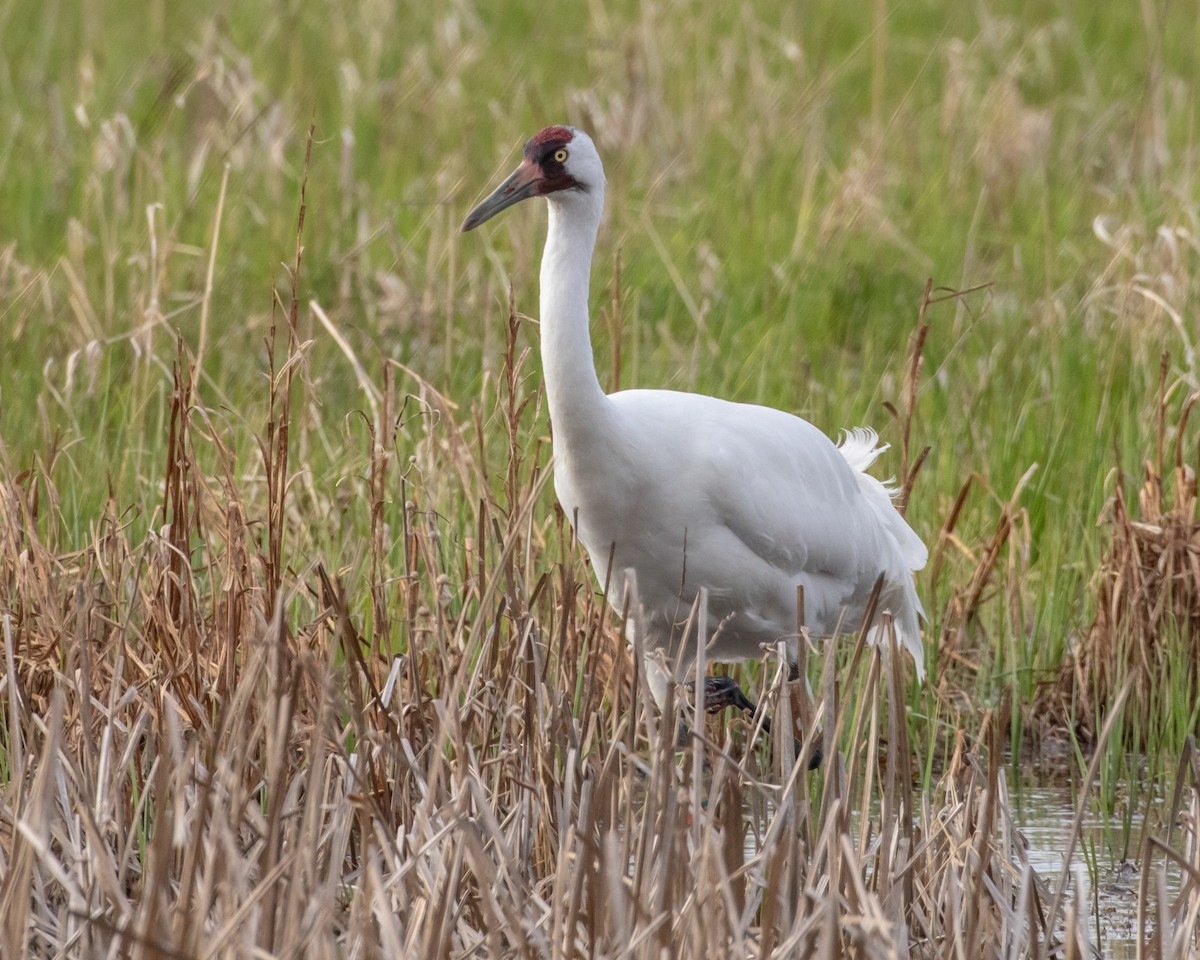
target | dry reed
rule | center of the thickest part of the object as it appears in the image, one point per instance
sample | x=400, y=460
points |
x=220, y=744
x=212, y=752
x=1147, y=593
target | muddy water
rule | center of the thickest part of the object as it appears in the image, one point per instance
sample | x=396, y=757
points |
x=1045, y=814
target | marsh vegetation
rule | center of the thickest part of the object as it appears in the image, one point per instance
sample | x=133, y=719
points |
x=300, y=658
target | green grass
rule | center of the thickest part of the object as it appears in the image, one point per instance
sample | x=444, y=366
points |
x=800, y=172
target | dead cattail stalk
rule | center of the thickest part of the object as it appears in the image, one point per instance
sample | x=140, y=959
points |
x=1147, y=591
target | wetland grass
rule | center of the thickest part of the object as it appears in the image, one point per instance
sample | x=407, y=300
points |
x=212, y=752
x=300, y=659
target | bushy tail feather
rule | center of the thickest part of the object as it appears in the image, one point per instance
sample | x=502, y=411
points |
x=860, y=447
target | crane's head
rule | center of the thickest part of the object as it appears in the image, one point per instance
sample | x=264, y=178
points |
x=559, y=160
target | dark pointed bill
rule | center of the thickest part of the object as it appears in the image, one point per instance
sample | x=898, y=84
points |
x=516, y=188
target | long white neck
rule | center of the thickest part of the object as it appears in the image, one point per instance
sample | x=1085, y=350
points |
x=577, y=403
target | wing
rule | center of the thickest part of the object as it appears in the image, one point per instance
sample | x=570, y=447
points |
x=777, y=485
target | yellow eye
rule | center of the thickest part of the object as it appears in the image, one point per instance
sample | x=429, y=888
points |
x=560, y=155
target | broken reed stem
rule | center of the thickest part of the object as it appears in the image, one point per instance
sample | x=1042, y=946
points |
x=275, y=450
x=910, y=466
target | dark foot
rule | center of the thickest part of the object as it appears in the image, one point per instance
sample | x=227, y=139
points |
x=722, y=692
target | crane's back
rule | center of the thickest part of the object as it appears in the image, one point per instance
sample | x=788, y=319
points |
x=690, y=492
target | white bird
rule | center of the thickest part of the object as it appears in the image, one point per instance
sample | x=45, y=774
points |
x=692, y=493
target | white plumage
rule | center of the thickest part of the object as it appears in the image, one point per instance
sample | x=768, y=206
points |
x=689, y=491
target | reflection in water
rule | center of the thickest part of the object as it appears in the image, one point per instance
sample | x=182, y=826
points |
x=1044, y=812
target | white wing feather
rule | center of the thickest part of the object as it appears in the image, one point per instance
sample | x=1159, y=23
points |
x=758, y=502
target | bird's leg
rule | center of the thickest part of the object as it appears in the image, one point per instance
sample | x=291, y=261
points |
x=722, y=692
